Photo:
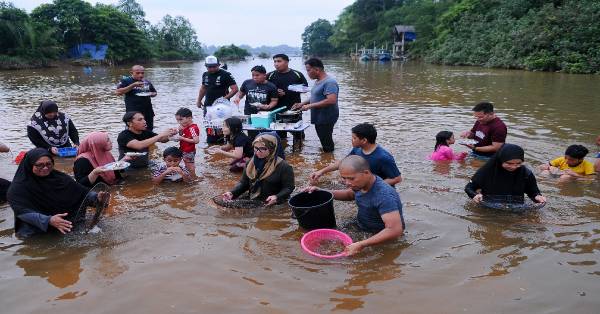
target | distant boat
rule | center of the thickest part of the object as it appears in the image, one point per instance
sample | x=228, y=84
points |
x=364, y=57
x=385, y=56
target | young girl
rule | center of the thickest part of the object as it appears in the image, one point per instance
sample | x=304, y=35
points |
x=442, y=150
x=238, y=146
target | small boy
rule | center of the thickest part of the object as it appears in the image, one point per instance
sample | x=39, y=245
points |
x=189, y=136
x=572, y=164
x=171, y=169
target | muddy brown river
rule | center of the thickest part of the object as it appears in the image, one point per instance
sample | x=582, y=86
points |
x=169, y=249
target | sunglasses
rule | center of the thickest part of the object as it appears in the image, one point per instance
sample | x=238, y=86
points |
x=43, y=165
x=262, y=149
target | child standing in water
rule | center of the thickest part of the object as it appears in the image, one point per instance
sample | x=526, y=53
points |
x=171, y=169
x=442, y=150
x=189, y=136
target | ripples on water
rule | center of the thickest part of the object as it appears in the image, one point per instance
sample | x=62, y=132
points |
x=168, y=248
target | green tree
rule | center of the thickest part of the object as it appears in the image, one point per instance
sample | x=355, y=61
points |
x=135, y=11
x=175, y=38
x=315, y=39
x=231, y=52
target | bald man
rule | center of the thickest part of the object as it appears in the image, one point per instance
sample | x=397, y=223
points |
x=379, y=205
x=138, y=93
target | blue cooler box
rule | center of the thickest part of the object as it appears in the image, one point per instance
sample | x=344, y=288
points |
x=264, y=119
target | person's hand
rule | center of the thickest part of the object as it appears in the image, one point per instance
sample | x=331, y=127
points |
x=172, y=170
x=314, y=177
x=478, y=198
x=199, y=104
x=127, y=158
x=465, y=134
x=296, y=106
x=271, y=200
x=137, y=84
x=75, y=145
x=540, y=199
x=153, y=94
x=227, y=196
x=61, y=224
x=463, y=155
x=470, y=146
x=280, y=92
x=215, y=151
x=544, y=167
x=236, y=100
x=305, y=107
x=99, y=170
x=353, y=248
x=54, y=150
x=310, y=189
x=570, y=172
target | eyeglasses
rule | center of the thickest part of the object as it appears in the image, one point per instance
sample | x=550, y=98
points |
x=44, y=165
x=262, y=149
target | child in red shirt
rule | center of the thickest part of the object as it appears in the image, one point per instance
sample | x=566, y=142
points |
x=189, y=136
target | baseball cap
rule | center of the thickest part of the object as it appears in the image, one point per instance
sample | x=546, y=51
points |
x=211, y=61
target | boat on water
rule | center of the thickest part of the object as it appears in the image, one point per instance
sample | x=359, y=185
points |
x=385, y=56
x=364, y=57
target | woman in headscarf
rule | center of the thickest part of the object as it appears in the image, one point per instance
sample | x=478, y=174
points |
x=93, y=154
x=266, y=177
x=505, y=175
x=42, y=197
x=51, y=129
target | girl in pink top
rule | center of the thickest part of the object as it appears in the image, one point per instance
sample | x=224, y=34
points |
x=442, y=150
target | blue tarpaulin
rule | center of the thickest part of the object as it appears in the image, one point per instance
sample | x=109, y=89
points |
x=94, y=51
x=409, y=36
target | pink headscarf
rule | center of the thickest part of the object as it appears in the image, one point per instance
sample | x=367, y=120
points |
x=94, y=148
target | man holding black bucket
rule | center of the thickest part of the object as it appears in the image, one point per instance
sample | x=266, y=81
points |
x=379, y=205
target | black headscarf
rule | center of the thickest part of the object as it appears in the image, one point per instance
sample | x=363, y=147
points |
x=493, y=179
x=56, y=131
x=53, y=194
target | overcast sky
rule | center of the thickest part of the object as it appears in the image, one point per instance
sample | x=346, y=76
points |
x=256, y=23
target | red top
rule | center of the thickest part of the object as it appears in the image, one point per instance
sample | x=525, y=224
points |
x=189, y=132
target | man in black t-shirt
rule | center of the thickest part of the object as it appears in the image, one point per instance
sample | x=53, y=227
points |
x=283, y=77
x=216, y=83
x=260, y=93
x=138, y=93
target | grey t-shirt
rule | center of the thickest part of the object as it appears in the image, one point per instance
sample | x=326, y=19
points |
x=329, y=114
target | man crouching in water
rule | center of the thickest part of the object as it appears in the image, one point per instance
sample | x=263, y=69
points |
x=379, y=205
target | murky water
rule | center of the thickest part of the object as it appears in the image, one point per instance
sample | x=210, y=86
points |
x=169, y=249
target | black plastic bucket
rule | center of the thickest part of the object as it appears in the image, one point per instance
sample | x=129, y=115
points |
x=313, y=210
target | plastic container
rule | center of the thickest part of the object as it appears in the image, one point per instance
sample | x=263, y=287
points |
x=264, y=118
x=312, y=240
x=67, y=152
x=313, y=210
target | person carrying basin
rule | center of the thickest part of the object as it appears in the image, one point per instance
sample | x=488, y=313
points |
x=51, y=129
x=379, y=205
x=266, y=177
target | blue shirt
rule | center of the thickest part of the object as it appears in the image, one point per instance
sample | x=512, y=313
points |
x=381, y=199
x=381, y=162
x=329, y=114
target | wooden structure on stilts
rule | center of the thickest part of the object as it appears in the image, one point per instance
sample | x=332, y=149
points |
x=402, y=35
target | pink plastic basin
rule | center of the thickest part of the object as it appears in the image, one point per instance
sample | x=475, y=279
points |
x=311, y=241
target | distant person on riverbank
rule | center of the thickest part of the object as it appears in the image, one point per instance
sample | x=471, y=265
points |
x=238, y=145
x=379, y=205
x=267, y=177
x=189, y=136
x=381, y=162
x=489, y=131
x=572, y=165
x=138, y=93
x=260, y=94
x=283, y=77
x=51, y=129
x=216, y=83
x=323, y=103
x=137, y=138
x=442, y=150
x=504, y=175
x=171, y=168
x=4, y=184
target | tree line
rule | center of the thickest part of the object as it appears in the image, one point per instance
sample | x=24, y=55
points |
x=538, y=35
x=51, y=29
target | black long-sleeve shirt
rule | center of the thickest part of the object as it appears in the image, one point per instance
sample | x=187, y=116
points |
x=279, y=183
x=530, y=188
x=82, y=167
x=36, y=138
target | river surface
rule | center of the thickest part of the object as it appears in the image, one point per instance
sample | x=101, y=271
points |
x=169, y=249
